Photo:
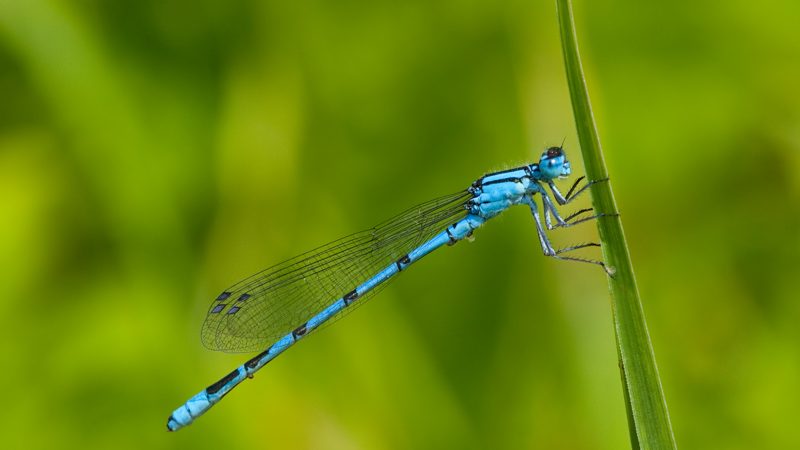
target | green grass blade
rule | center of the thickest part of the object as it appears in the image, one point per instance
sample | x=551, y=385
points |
x=648, y=417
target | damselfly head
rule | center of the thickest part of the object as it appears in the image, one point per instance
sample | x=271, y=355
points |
x=554, y=164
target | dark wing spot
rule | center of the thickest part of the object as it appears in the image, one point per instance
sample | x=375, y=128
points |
x=223, y=296
x=233, y=310
x=243, y=297
x=218, y=308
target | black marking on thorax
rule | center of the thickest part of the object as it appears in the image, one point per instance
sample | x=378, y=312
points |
x=214, y=388
x=480, y=183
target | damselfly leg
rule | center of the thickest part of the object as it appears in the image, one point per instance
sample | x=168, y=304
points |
x=547, y=247
x=549, y=207
x=572, y=193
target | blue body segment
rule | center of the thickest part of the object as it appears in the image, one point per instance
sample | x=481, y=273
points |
x=279, y=306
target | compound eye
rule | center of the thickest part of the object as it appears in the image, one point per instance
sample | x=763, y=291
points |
x=554, y=152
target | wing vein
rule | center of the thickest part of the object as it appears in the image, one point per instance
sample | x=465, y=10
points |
x=287, y=294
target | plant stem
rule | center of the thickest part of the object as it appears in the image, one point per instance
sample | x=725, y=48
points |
x=648, y=417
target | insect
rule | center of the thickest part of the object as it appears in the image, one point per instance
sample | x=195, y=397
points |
x=277, y=307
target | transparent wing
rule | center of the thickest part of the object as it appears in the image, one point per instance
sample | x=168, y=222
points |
x=258, y=310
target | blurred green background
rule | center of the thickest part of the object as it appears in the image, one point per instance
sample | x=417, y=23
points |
x=154, y=152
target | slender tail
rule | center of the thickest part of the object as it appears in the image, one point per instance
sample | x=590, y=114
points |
x=196, y=406
x=208, y=397
x=202, y=402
